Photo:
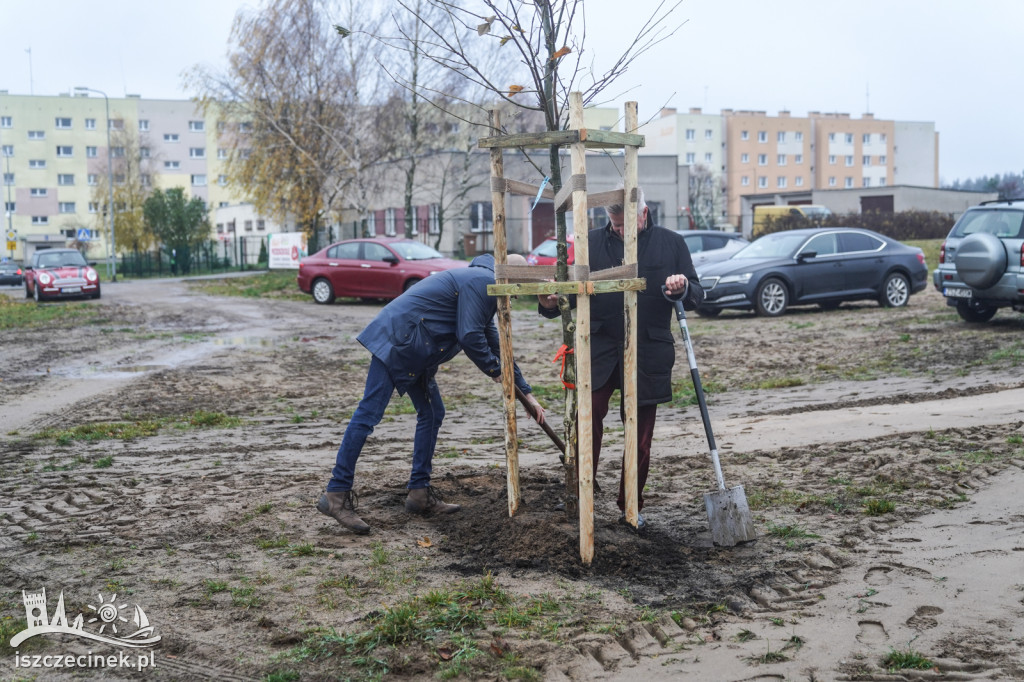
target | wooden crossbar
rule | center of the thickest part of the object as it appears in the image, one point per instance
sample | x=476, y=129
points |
x=546, y=273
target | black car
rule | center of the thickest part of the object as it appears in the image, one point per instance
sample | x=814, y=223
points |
x=10, y=273
x=822, y=266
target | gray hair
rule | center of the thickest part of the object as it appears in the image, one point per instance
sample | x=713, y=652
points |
x=618, y=209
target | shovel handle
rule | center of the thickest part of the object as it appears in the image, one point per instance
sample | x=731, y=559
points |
x=544, y=425
x=699, y=390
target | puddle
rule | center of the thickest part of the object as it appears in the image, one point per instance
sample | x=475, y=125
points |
x=249, y=341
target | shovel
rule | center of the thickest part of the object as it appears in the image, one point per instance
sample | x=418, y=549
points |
x=728, y=513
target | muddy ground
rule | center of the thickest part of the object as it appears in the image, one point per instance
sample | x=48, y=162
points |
x=874, y=445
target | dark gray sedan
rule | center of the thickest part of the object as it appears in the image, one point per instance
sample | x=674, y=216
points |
x=819, y=266
x=11, y=274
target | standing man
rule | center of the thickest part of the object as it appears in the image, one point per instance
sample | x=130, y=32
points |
x=421, y=329
x=663, y=259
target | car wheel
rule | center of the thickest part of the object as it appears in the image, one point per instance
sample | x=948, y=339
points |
x=409, y=284
x=975, y=313
x=772, y=298
x=323, y=292
x=895, y=291
x=35, y=292
x=709, y=312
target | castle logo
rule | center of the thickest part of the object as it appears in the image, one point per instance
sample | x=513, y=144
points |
x=106, y=621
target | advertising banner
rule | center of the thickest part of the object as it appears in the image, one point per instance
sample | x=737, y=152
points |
x=286, y=249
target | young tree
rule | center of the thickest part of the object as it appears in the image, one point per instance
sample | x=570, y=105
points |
x=180, y=224
x=133, y=172
x=706, y=194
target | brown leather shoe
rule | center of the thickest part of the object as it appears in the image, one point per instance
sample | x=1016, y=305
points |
x=425, y=501
x=341, y=507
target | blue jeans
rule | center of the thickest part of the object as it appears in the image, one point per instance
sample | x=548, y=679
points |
x=426, y=398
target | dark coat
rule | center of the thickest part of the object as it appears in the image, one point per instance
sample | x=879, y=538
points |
x=431, y=322
x=660, y=253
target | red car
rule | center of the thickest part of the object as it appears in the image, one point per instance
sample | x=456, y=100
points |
x=381, y=267
x=60, y=273
x=546, y=252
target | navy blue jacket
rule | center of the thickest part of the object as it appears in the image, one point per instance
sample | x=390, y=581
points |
x=431, y=322
x=660, y=253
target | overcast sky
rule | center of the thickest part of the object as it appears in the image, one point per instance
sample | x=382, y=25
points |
x=953, y=62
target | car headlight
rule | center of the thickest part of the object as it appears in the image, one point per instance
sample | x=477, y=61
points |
x=90, y=275
x=736, y=279
x=44, y=278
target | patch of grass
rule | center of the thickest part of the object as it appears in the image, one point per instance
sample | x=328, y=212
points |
x=136, y=428
x=15, y=314
x=272, y=543
x=906, y=660
x=684, y=395
x=103, y=462
x=282, y=676
x=305, y=549
x=745, y=636
x=1015, y=439
x=401, y=405
x=274, y=284
x=211, y=587
x=878, y=507
x=245, y=597
x=780, y=382
x=789, y=532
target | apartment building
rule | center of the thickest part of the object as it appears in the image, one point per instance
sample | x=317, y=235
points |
x=54, y=152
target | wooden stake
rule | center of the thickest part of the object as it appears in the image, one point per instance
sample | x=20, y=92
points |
x=584, y=418
x=505, y=328
x=629, y=387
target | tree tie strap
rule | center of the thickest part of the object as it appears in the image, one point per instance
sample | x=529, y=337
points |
x=562, y=355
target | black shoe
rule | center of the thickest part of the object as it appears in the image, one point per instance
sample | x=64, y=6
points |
x=641, y=524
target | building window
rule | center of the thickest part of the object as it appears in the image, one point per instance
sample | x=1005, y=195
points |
x=781, y=181
x=881, y=160
x=223, y=204
x=849, y=160
x=781, y=160
x=117, y=152
x=143, y=125
x=116, y=124
x=94, y=207
x=709, y=134
x=848, y=183
x=831, y=137
x=691, y=157
x=691, y=134
x=248, y=225
x=36, y=135
x=6, y=122
x=90, y=124
x=8, y=150
x=64, y=151
x=172, y=165
x=866, y=138
x=199, y=180
x=37, y=192
x=481, y=218
x=762, y=136
x=40, y=220
x=171, y=138
x=244, y=153
x=762, y=159
x=8, y=178
x=762, y=181
x=707, y=157
x=222, y=153
x=221, y=126
x=144, y=152
x=849, y=138
x=90, y=152
x=745, y=181
x=90, y=179
x=220, y=228
x=67, y=207
x=145, y=179
x=261, y=225
x=222, y=180
x=119, y=178
x=798, y=158
x=37, y=164
x=832, y=181
x=780, y=136
x=799, y=136
x=433, y=219
x=62, y=123
x=832, y=159
x=866, y=161
x=798, y=181
x=9, y=207
x=744, y=135
x=66, y=179
x=744, y=158
x=197, y=152
x=389, y=222
x=245, y=127
x=866, y=182
x=196, y=126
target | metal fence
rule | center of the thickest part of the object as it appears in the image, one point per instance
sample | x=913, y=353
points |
x=236, y=254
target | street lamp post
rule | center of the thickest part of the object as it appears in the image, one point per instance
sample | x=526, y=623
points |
x=112, y=262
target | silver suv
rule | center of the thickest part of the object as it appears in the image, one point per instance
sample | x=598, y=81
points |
x=981, y=264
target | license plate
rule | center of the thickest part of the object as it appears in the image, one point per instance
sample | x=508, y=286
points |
x=72, y=290
x=957, y=293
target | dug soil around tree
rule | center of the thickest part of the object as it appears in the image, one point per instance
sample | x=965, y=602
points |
x=168, y=446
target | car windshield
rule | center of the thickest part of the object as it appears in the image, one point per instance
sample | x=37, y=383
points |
x=998, y=221
x=778, y=245
x=547, y=248
x=61, y=259
x=415, y=251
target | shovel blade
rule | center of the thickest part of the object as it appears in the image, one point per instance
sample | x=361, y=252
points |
x=729, y=517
